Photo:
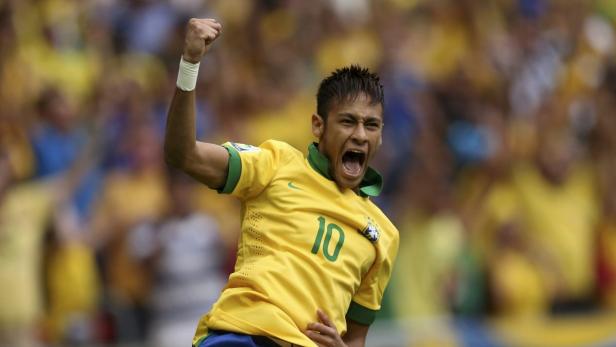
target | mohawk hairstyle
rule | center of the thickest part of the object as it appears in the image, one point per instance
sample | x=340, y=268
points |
x=346, y=84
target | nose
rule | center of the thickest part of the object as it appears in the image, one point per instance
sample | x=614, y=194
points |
x=359, y=134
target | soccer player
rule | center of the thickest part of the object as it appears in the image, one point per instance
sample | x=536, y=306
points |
x=315, y=254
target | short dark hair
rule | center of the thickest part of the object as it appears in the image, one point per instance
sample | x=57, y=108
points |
x=346, y=84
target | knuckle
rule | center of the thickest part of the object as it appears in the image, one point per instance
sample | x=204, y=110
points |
x=193, y=23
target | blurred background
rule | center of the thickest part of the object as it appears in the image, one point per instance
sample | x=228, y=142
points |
x=499, y=159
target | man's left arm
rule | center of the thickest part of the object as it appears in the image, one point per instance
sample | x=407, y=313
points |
x=356, y=334
x=325, y=334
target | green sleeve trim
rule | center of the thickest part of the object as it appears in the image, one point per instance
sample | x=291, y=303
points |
x=235, y=170
x=361, y=314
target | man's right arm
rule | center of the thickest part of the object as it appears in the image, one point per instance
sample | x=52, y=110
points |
x=206, y=162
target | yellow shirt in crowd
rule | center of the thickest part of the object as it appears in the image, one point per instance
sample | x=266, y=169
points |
x=24, y=213
x=561, y=221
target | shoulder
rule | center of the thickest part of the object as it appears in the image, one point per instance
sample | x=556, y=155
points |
x=282, y=151
x=34, y=190
x=274, y=146
x=34, y=197
x=281, y=147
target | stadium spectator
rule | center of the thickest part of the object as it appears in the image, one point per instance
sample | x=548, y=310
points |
x=187, y=257
x=25, y=209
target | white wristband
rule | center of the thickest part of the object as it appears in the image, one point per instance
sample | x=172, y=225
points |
x=187, y=75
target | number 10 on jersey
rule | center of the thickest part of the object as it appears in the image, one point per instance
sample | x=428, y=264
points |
x=328, y=236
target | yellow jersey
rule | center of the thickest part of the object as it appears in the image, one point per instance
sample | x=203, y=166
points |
x=305, y=244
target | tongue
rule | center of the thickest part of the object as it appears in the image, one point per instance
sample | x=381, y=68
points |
x=352, y=166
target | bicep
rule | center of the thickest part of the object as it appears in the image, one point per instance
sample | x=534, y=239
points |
x=356, y=334
x=209, y=164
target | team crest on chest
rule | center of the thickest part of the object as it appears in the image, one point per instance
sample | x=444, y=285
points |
x=371, y=232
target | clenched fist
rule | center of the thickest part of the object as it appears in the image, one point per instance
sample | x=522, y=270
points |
x=200, y=33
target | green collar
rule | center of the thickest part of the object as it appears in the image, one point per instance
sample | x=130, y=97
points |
x=370, y=185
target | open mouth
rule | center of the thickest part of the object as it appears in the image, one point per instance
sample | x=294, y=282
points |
x=353, y=162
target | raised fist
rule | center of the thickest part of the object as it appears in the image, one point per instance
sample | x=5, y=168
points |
x=200, y=33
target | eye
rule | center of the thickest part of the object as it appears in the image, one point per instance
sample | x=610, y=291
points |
x=346, y=121
x=373, y=126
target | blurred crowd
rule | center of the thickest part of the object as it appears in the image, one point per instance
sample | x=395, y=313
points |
x=499, y=154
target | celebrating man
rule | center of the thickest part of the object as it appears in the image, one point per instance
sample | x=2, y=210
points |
x=315, y=254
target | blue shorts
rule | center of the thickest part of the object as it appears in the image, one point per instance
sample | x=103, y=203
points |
x=219, y=338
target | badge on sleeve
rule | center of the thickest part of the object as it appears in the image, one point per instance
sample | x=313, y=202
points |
x=240, y=147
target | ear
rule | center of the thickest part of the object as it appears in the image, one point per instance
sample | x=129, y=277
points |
x=318, y=126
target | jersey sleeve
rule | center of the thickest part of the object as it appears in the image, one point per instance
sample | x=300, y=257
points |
x=251, y=168
x=367, y=300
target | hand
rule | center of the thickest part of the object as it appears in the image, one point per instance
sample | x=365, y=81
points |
x=200, y=33
x=324, y=333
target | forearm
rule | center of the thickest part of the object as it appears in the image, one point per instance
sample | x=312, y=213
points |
x=180, y=137
x=206, y=162
x=356, y=334
x=354, y=342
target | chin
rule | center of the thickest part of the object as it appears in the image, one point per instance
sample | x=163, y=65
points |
x=344, y=182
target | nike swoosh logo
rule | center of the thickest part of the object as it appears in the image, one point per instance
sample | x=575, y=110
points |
x=291, y=185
